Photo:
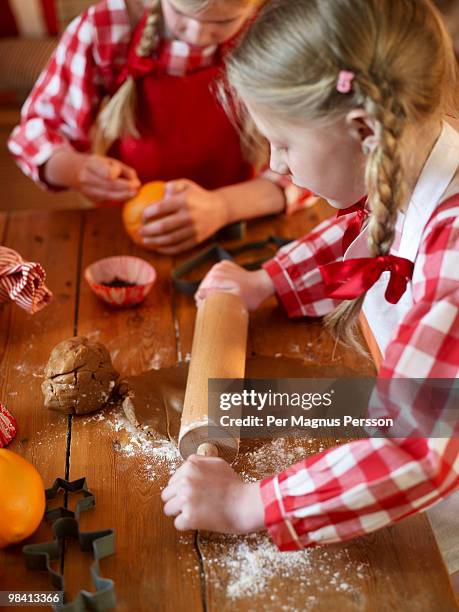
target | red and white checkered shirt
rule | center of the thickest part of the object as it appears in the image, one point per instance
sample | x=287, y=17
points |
x=62, y=108
x=368, y=484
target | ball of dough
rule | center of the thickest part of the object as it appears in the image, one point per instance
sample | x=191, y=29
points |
x=79, y=377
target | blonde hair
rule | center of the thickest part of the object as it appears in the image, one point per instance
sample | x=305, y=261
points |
x=289, y=62
x=118, y=117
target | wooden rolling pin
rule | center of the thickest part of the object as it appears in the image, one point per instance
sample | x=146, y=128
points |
x=218, y=351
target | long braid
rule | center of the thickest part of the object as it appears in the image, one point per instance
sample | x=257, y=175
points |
x=118, y=118
x=386, y=191
x=150, y=36
x=384, y=172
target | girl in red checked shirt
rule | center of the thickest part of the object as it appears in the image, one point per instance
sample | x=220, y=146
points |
x=158, y=61
x=352, y=96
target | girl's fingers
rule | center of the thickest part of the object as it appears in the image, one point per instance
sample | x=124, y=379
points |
x=224, y=270
x=97, y=168
x=175, y=482
x=163, y=207
x=226, y=263
x=202, y=294
x=226, y=286
x=183, y=522
x=168, y=493
x=173, y=506
x=112, y=173
x=216, y=279
x=129, y=173
x=198, y=297
x=116, y=186
x=172, y=239
x=105, y=167
x=178, y=186
x=96, y=194
x=179, y=248
x=166, y=225
x=99, y=195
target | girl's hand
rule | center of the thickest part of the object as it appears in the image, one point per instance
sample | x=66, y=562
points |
x=253, y=287
x=105, y=179
x=188, y=215
x=101, y=179
x=206, y=493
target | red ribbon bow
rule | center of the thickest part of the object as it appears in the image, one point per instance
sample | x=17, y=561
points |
x=352, y=278
x=355, y=226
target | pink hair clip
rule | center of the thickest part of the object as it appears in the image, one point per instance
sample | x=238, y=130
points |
x=344, y=83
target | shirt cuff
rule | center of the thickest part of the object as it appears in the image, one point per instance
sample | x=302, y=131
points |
x=286, y=293
x=32, y=157
x=280, y=528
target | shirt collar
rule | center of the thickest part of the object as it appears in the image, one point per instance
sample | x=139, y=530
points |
x=436, y=175
x=183, y=57
x=178, y=58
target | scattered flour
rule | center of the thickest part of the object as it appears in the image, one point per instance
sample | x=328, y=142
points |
x=251, y=566
x=243, y=567
x=159, y=359
x=275, y=456
x=248, y=571
x=158, y=454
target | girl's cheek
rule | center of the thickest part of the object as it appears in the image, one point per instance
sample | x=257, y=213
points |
x=299, y=169
x=170, y=18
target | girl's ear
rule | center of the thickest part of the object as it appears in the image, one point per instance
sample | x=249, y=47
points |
x=362, y=128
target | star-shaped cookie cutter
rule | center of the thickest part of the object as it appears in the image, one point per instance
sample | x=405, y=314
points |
x=69, y=486
x=102, y=544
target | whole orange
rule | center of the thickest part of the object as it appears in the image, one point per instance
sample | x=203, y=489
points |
x=22, y=498
x=133, y=209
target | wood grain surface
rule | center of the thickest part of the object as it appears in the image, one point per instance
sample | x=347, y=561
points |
x=156, y=568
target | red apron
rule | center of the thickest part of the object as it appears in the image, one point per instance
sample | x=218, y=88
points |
x=185, y=132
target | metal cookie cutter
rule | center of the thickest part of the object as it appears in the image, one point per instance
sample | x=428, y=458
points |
x=216, y=253
x=102, y=544
x=74, y=486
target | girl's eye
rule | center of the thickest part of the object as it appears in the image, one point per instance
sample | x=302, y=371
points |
x=224, y=22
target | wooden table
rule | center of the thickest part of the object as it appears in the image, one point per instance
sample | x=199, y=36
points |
x=155, y=568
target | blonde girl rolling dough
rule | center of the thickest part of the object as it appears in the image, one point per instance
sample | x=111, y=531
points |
x=352, y=96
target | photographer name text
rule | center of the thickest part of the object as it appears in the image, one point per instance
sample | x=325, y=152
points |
x=302, y=421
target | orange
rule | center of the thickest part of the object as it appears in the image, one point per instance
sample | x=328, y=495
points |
x=133, y=209
x=22, y=498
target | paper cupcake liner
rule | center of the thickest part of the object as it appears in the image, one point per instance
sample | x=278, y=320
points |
x=8, y=426
x=124, y=267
